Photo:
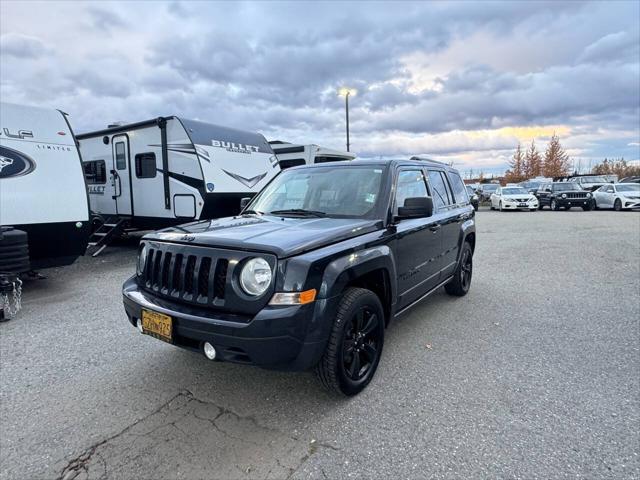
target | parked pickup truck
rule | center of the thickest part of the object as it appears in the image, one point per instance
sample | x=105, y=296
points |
x=312, y=271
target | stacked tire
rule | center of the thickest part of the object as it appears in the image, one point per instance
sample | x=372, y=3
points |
x=14, y=251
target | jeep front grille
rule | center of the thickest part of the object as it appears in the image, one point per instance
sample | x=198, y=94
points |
x=192, y=278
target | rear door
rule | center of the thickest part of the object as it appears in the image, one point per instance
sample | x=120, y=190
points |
x=448, y=214
x=121, y=175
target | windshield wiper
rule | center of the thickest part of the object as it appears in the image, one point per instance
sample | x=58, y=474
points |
x=299, y=211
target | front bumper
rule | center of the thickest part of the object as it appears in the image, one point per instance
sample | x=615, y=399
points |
x=282, y=338
x=574, y=202
x=630, y=203
x=520, y=205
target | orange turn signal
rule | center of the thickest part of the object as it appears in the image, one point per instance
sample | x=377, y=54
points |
x=293, y=298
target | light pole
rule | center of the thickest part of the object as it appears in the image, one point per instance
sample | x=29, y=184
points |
x=346, y=92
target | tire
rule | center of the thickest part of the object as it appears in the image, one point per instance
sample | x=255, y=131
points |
x=595, y=205
x=554, y=206
x=491, y=206
x=588, y=207
x=461, y=282
x=500, y=205
x=540, y=206
x=532, y=209
x=617, y=205
x=335, y=372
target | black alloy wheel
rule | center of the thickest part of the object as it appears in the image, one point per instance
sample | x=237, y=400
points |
x=554, y=205
x=361, y=344
x=461, y=282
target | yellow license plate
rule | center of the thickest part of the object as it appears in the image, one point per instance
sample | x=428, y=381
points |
x=157, y=325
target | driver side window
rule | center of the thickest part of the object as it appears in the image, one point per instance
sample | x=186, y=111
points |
x=410, y=184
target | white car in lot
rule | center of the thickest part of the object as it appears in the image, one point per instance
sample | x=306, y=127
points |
x=513, y=198
x=619, y=196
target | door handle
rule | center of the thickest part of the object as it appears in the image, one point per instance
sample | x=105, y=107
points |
x=435, y=228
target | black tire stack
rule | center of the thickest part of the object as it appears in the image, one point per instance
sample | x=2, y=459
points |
x=14, y=251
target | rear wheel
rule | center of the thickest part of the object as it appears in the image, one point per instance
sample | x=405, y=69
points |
x=355, y=345
x=617, y=205
x=461, y=282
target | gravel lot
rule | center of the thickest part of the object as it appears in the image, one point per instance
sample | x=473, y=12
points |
x=534, y=374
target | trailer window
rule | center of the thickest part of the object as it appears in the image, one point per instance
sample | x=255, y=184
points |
x=146, y=165
x=95, y=172
x=121, y=161
x=293, y=162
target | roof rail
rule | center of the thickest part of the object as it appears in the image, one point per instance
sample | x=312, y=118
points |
x=426, y=159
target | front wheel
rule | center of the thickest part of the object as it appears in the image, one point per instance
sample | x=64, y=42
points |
x=500, y=205
x=353, y=351
x=554, y=205
x=617, y=205
x=461, y=282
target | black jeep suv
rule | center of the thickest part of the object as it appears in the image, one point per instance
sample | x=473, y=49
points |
x=565, y=195
x=313, y=269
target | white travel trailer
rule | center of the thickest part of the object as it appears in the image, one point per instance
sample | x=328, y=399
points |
x=42, y=190
x=290, y=155
x=171, y=170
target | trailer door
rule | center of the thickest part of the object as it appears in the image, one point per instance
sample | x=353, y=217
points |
x=121, y=175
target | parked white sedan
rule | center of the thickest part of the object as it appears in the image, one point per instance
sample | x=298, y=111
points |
x=513, y=198
x=619, y=196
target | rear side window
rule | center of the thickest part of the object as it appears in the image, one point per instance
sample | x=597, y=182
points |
x=95, y=172
x=121, y=161
x=442, y=196
x=146, y=165
x=459, y=190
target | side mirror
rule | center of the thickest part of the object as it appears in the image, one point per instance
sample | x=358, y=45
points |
x=244, y=202
x=416, y=207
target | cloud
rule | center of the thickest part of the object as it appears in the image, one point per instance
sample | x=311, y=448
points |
x=22, y=46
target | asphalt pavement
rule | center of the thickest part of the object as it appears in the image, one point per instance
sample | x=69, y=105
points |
x=534, y=374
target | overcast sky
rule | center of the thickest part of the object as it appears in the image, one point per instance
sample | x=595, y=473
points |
x=458, y=81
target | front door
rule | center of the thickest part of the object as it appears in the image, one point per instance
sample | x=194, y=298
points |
x=418, y=242
x=121, y=175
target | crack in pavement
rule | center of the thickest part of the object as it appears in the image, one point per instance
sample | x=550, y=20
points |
x=266, y=449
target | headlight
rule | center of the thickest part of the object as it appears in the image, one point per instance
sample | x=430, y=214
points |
x=564, y=195
x=255, y=276
x=588, y=195
x=142, y=259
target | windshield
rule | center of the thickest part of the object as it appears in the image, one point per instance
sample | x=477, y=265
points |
x=631, y=187
x=514, y=191
x=490, y=187
x=592, y=180
x=341, y=191
x=565, y=187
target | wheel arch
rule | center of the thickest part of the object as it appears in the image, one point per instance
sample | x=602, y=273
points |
x=373, y=269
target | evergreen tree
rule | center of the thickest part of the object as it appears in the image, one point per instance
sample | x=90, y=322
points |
x=556, y=160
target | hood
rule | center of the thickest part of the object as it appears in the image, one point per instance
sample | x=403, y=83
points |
x=515, y=196
x=282, y=236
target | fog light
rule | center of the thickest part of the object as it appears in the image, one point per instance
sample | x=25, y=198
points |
x=209, y=351
x=139, y=326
